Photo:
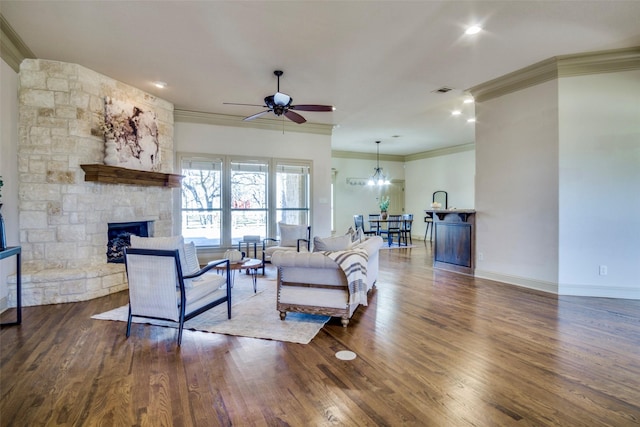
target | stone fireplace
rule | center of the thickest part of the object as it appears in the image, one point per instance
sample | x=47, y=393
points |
x=63, y=219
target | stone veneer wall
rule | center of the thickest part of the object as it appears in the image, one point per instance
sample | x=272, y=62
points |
x=63, y=219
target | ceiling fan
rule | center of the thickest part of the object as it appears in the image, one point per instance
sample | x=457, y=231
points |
x=280, y=104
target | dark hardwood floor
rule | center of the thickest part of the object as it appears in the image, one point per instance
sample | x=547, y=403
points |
x=434, y=349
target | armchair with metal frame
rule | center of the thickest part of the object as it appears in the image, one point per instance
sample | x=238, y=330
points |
x=158, y=288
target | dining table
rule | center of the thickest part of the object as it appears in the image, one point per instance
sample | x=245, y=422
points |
x=380, y=224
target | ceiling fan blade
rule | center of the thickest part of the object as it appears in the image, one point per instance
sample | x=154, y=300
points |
x=250, y=105
x=311, y=107
x=295, y=117
x=255, y=116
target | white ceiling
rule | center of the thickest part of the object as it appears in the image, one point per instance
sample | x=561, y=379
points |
x=377, y=62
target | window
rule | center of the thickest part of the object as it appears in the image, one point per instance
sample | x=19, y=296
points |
x=201, y=201
x=226, y=198
x=292, y=193
x=249, y=207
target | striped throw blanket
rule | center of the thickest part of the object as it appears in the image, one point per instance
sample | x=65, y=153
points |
x=354, y=264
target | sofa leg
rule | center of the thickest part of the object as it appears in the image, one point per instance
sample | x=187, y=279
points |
x=283, y=315
x=344, y=321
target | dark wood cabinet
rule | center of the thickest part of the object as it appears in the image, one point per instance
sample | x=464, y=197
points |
x=454, y=240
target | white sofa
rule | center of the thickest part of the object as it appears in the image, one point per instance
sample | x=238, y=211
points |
x=311, y=282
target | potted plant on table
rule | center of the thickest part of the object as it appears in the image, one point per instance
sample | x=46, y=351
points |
x=384, y=207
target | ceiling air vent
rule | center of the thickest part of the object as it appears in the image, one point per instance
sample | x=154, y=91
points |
x=443, y=89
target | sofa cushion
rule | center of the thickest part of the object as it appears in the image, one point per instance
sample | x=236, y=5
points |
x=370, y=244
x=205, y=289
x=290, y=233
x=338, y=243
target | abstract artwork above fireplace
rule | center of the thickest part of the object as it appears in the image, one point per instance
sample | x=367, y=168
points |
x=135, y=133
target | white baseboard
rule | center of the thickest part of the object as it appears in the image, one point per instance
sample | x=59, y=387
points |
x=524, y=282
x=563, y=289
x=600, y=291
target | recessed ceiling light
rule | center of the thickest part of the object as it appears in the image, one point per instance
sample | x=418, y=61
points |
x=160, y=85
x=456, y=112
x=471, y=120
x=468, y=100
x=474, y=29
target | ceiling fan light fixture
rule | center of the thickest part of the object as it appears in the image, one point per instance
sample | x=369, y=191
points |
x=473, y=29
x=281, y=99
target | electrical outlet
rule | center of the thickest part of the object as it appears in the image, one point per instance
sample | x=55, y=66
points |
x=603, y=270
x=480, y=256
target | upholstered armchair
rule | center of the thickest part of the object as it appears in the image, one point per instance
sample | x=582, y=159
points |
x=293, y=237
x=165, y=281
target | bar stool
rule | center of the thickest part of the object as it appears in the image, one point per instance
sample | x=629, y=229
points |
x=429, y=221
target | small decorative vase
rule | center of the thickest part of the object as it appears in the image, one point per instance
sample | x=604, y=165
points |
x=3, y=235
x=383, y=215
x=110, y=153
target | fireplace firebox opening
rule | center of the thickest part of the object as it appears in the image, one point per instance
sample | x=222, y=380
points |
x=119, y=237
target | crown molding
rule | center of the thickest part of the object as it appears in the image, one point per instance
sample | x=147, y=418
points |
x=441, y=152
x=186, y=116
x=398, y=158
x=606, y=61
x=12, y=49
x=366, y=156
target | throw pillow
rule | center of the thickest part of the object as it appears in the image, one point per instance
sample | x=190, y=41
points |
x=338, y=243
x=290, y=233
x=355, y=235
x=191, y=255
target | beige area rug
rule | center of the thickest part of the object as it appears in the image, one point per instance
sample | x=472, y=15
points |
x=252, y=315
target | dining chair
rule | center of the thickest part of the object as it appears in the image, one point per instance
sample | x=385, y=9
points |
x=374, y=226
x=407, y=222
x=394, y=227
x=358, y=221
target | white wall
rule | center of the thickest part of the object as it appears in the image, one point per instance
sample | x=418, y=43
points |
x=351, y=200
x=8, y=169
x=228, y=140
x=453, y=173
x=517, y=187
x=600, y=184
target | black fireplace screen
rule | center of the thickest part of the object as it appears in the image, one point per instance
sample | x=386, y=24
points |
x=119, y=237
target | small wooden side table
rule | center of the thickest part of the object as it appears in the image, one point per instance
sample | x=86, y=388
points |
x=6, y=253
x=251, y=265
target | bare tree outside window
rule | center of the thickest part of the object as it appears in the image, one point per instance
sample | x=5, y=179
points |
x=201, y=203
x=225, y=199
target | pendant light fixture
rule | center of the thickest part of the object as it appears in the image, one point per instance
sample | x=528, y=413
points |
x=378, y=177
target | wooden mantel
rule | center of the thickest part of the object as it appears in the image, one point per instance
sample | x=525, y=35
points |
x=117, y=175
